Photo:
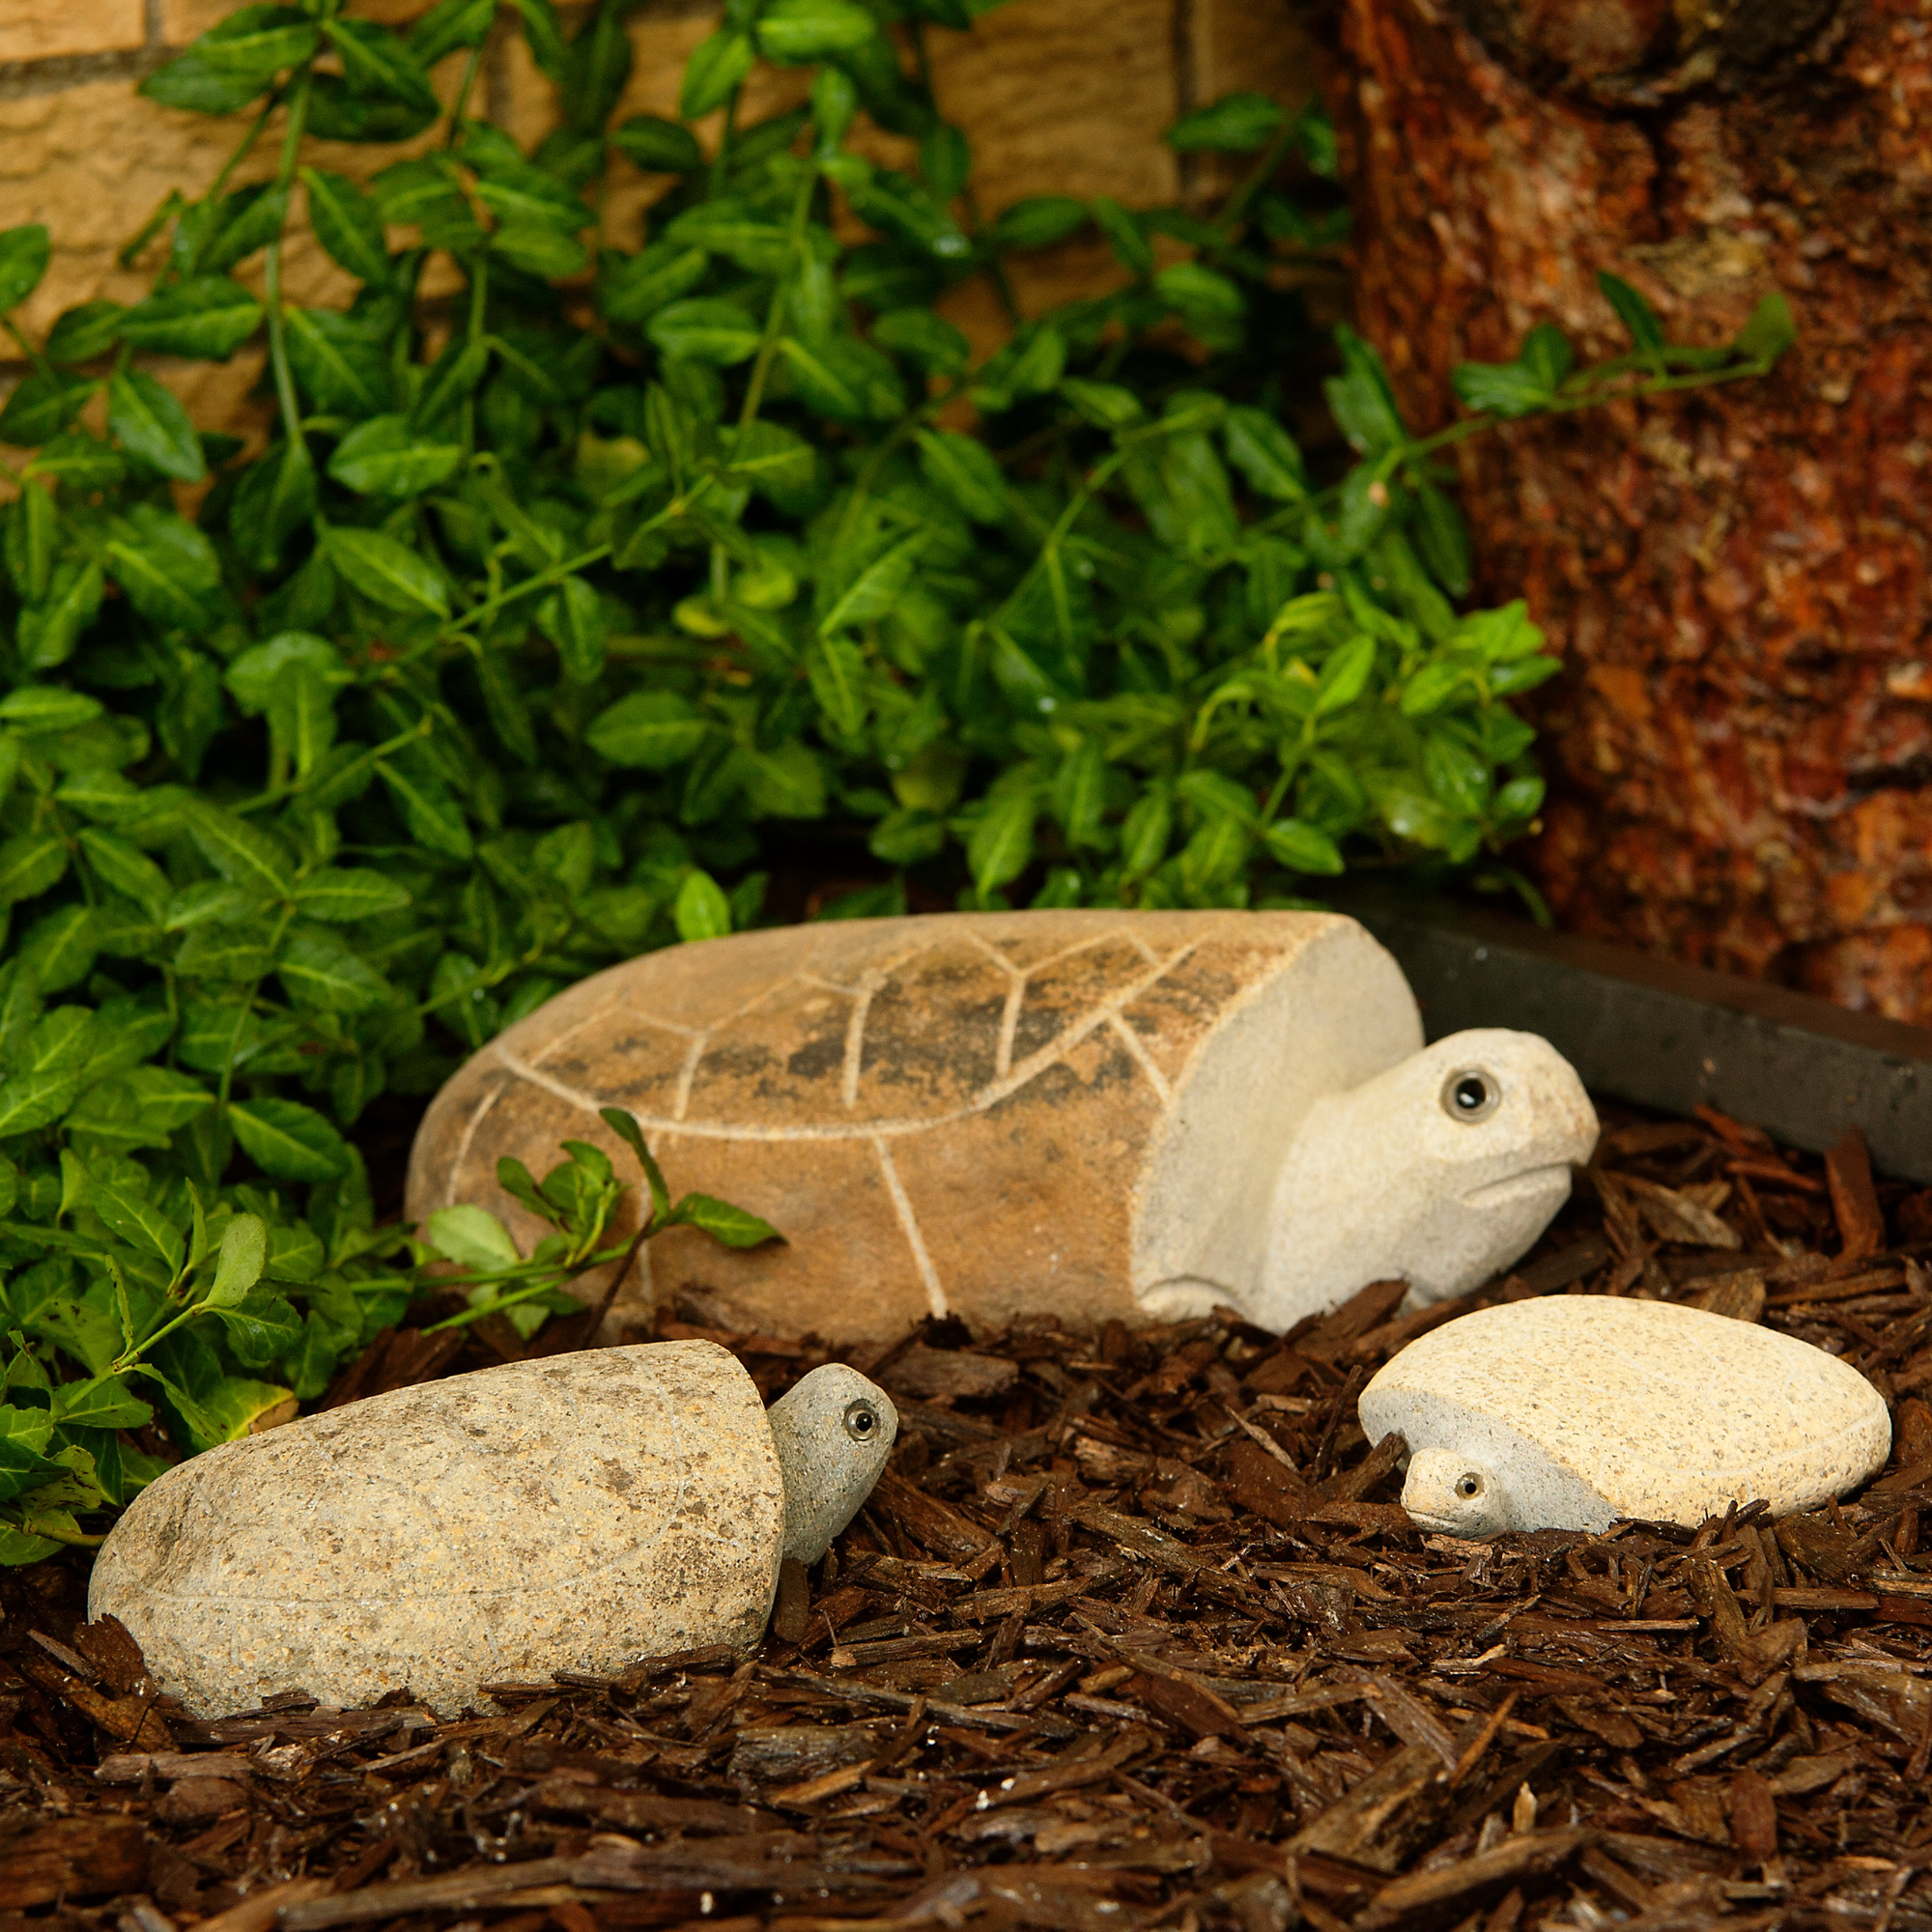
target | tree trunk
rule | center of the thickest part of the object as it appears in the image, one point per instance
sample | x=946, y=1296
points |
x=1740, y=745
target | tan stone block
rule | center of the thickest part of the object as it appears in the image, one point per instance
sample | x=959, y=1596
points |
x=96, y=193
x=1063, y=97
x=1253, y=46
x=41, y=29
x=1105, y=66
x=1245, y=46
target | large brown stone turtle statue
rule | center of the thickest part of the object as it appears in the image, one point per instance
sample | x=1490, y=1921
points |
x=1097, y=1114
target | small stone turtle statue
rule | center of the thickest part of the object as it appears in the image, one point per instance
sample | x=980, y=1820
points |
x=1571, y=1410
x=575, y=1512
x=1130, y=1115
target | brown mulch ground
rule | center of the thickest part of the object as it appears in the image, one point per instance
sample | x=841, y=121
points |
x=1132, y=1633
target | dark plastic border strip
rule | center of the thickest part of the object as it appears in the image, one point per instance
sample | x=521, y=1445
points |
x=1667, y=1035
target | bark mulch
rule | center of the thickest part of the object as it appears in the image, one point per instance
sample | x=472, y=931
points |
x=1132, y=1633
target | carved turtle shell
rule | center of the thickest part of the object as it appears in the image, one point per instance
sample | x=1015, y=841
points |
x=569, y=1514
x=977, y=1113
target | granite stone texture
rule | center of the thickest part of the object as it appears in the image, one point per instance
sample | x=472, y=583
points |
x=1098, y=1114
x=1569, y=1412
x=570, y=1514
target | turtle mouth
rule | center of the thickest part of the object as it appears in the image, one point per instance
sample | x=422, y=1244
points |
x=1520, y=1188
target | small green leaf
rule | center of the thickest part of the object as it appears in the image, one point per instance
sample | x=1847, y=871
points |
x=105, y=1403
x=243, y=853
x=342, y=895
x=716, y=68
x=1303, y=847
x=384, y=457
x=472, y=1238
x=658, y=145
x=625, y=1127
x=1345, y=675
x=386, y=572
x=432, y=814
x=1266, y=454
x=633, y=291
x=572, y=618
x=701, y=911
x=24, y=254
x=1040, y=222
x=1634, y=313
x=347, y=226
x=136, y=1220
x=121, y=867
x=40, y=406
x=255, y=43
x=705, y=329
x=1764, y=338
x=649, y=730
x=322, y=973
x=35, y=708
x=1000, y=846
x=965, y=471
x=376, y=61
x=167, y=567
x=1361, y=396
x=30, y=1100
x=448, y=25
x=239, y=1263
x=1237, y=124
x=732, y=1226
x=85, y=331
x=150, y=423
x=795, y=32
x=288, y=1141
x=836, y=668
x=29, y=863
x=207, y=317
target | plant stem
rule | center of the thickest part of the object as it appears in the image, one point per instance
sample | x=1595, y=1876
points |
x=278, y=348
x=245, y=146
x=41, y=366
x=479, y=296
x=543, y=580
x=721, y=161
x=1257, y=179
x=459, y=107
x=768, y=342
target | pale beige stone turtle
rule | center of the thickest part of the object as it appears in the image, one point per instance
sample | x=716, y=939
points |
x=1571, y=1410
x=1097, y=1114
x=570, y=1514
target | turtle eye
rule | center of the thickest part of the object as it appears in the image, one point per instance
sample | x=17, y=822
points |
x=862, y=1420
x=1468, y=1485
x=1472, y=1094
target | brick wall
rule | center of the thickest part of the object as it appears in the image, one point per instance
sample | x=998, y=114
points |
x=1057, y=95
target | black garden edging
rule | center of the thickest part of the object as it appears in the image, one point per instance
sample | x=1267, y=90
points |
x=1667, y=1035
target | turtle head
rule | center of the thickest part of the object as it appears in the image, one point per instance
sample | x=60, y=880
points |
x=833, y=1433
x=1495, y=1121
x=1451, y=1492
x=1440, y=1170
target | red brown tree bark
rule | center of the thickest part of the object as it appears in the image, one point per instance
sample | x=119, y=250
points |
x=1740, y=745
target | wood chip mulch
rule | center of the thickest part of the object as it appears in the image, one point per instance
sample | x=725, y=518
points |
x=1132, y=1633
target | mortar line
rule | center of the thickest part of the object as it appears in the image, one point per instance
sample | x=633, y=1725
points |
x=61, y=74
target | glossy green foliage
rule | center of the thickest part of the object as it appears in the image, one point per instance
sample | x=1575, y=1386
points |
x=551, y=619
